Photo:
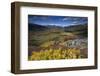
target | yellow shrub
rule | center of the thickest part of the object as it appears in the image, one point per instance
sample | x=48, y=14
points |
x=52, y=54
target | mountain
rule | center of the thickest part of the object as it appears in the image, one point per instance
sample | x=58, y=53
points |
x=36, y=27
x=80, y=30
x=73, y=28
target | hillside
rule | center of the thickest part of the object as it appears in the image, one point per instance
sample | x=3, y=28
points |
x=36, y=27
x=77, y=29
x=53, y=38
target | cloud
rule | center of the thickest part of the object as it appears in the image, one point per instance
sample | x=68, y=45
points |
x=70, y=19
x=38, y=17
x=55, y=24
x=44, y=17
x=66, y=18
x=75, y=22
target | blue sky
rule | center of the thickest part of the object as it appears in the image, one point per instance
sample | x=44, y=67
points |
x=56, y=20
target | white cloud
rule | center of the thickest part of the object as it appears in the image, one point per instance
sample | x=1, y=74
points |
x=75, y=22
x=64, y=19
x=55, y=24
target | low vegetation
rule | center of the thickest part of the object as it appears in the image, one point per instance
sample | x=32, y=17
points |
x=57, y=43
x=50, y=54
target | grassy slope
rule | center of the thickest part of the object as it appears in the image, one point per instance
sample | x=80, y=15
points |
x=48, y=43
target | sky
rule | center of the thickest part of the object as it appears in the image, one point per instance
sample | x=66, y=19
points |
x=56, y=20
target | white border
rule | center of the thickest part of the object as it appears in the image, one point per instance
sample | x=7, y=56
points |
x=25, y=64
